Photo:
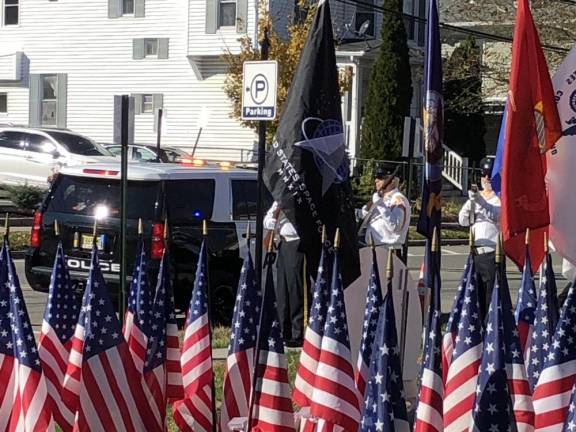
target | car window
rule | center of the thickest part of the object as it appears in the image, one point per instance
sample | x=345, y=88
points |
x=13, y=140
x=244, y=194
x=40, y=144
x=143, y=154
x=77, y=144
x=115, y=150
x=81, y=195
x=189, y=200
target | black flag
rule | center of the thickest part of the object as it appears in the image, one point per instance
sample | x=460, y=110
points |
x=307, y=168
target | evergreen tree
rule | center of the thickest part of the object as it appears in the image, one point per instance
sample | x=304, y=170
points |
x=389, y=91
x=464, y=110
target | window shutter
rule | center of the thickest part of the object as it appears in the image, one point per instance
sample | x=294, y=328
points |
x=138, y=49
x=211, y=16
x=62, y=100
x=35, y=100
x=138, y=101
x=241, y=16
x=114, y=8
x=163, y=48
x=139, y=8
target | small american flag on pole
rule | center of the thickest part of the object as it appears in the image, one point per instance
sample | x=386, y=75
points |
x=525, y=307
x=272, y=402
x=24, y=402
x=335, y=399
x=462, y=371
x=162, y=372
x=102, y=383
x=60, y=318
x=554, y=387
x=240, y=360
x=454, y=325
x=545, y=322
x=310, y=354
x=493, y=410
x=374, y=302
x=138, y=314
x=196, y=412
x=385, y=406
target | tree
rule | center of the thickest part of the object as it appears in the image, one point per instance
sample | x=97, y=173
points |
x=286, y=51
x=463, y=109
x=389, y=90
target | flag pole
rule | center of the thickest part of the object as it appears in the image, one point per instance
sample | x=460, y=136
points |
x=6, y=226
x=56, y=228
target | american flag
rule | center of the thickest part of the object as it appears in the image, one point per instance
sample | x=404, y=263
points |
x=196, y=412
x=462, y=371
x=429, y=411
x=553, y=390
x=24, y=401
x=162, y=371
x=335, y=399
x=272, y=404
x=138, y=315
x=374, y=302
x=384, y=405
x=453, y=325
x=310, y=354
x=102, y=382
x=518, y=384
x=493, y=410
x=570, y=422
x=525, y=307
x=544, y=323
x=60, y=318
x=240, y=361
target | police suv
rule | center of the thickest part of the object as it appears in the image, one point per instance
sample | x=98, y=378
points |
x=183, y=195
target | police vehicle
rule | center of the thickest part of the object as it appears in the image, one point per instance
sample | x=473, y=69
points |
x=183, y=195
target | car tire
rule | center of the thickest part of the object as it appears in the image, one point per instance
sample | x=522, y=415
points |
x=222, y=297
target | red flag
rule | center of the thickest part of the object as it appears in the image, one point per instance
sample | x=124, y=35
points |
x=532, y=128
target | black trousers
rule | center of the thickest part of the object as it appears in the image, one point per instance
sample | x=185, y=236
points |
x=290, y=290
x=485, y=274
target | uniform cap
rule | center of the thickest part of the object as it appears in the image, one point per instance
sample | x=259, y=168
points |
x=486, y=165
x=386, y=169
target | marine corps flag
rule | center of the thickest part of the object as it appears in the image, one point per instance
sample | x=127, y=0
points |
x=532, y=128
x=307, y=169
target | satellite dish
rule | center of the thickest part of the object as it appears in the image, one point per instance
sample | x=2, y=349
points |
x=364, y=28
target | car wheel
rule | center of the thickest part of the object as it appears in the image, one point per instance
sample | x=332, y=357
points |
x=222, y=297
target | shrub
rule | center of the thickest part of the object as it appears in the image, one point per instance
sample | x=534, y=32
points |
x=25, y=196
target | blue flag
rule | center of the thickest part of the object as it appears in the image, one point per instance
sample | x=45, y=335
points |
x=498, y=162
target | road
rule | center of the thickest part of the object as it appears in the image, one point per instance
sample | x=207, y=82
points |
x=453, y=260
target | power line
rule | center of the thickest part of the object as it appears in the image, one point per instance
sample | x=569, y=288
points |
x=450, y=27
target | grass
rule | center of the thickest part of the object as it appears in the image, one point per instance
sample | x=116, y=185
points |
x=446, y=234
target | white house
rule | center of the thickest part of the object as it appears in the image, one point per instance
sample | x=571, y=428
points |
x=62, y=62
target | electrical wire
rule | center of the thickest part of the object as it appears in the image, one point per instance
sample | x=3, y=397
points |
x=456, y=29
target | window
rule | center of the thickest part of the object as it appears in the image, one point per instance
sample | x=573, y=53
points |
x=11, y=10
x=3, y=103
x=364, y=19
x=78, y=144
x=115, y=150
x=143, y=155
x=13, y=140
x=244, y=203
x=49, y=99
x=150, y=47
x=147, y=104
x=227, y=13
x=127, y=7
x=40, y=144
x=197, y=207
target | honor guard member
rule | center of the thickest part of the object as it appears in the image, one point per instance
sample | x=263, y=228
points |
x=387, y=216
x=482, y=212
x=290, y=276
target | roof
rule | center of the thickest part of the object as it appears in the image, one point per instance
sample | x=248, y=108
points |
x=153, y=171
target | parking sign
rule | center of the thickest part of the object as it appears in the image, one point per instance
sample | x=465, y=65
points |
x=259, y=85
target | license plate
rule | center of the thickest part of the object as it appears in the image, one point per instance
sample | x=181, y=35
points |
x=88, y=239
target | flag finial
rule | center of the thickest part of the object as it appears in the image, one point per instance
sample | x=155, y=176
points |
x=435, y=245
x=205, y=227
x=6, y=224
x=56, y=228
x=95, y=228
x=499, y=250
x=248, y=233
x=337, y=238
x=371, y=241
x=527, y=238
x=165, y=229
x=140, y=227
x=390, y=265
x=324, y=235
x=271, y=244
x=546, y=248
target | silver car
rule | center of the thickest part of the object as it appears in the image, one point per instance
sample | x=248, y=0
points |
x=33, y=155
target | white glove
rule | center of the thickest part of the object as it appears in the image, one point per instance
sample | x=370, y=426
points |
x=472, y=195
x=376, y=198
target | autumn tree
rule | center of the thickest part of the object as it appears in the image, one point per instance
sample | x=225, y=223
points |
x=286, y=51
x=389, y=90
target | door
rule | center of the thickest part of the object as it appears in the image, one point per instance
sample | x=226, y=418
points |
x=11, y=157
x=40, y=158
